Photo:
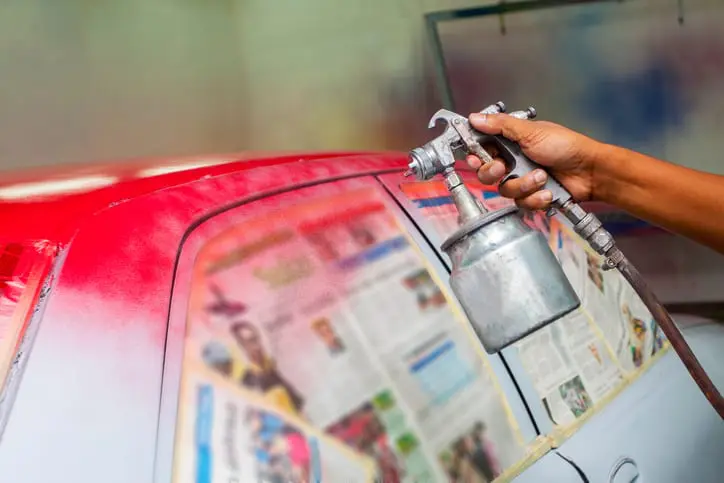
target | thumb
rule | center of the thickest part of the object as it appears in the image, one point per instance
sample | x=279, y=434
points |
x=510, y=127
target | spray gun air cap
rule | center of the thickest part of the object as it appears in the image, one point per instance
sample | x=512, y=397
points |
x=423, y=163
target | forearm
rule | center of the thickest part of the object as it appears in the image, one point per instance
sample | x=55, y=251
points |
x=679, y=199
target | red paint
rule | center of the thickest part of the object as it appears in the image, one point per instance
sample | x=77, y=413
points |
x=23, y=269
x=125, y=238
x=57, y=217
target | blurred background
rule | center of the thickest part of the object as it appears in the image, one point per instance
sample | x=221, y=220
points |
x=94, y=80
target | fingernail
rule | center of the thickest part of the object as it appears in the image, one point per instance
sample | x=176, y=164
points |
x=479, y=118
x=497, y=170
x=539, y=176
x=546, y=196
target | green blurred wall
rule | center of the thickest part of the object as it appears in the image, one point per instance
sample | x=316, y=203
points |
x=87, y=80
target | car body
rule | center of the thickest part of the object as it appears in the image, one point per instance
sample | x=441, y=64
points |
x=95, y=378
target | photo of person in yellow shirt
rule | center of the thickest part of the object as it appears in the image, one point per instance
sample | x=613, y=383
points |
x=637, y=335
x=260, y=372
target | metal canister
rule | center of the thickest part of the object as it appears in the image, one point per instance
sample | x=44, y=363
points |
x=506, y=278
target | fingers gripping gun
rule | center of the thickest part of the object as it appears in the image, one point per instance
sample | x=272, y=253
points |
x=504, y=274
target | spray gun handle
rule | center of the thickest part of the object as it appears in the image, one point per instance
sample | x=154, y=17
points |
x=519, y=164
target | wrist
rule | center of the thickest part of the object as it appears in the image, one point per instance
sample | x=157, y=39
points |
x=605, y=160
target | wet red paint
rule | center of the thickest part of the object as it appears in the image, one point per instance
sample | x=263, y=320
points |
x=57, y=217
x=123, y=240
x=23, y=269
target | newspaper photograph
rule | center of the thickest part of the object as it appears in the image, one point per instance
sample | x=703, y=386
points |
x=324, y=311
x=227, y=434
x=470, y=447
x=472, y=457
x=570, y=367
x=642, y=336
x=378, y=429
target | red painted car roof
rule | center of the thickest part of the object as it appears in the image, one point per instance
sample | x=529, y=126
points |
x=56, y=216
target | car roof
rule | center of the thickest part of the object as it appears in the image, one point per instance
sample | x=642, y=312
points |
x=49, y=203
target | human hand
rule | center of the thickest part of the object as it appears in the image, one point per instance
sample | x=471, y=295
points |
x=569, y=156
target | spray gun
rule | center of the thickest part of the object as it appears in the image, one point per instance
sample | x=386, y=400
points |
x=504, y=274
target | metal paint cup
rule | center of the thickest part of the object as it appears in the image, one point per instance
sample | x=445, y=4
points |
x=506, y=278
